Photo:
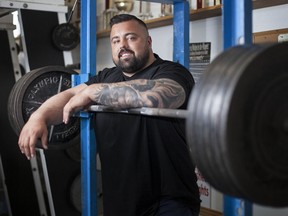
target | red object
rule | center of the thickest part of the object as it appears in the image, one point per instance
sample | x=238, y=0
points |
x=199, y=4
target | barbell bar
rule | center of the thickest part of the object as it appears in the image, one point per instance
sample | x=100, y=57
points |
x=236, y=121
x=170, y=113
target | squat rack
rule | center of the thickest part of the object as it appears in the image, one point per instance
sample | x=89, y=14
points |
x=237, y=29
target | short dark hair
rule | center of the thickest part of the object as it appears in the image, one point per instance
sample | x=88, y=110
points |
x=125, y=17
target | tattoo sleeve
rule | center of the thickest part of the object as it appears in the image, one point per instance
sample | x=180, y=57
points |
x=161, y=93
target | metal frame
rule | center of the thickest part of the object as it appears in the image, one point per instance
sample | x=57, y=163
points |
x=13, y=50
x=38, y=163
x=9, y=27
x=237, y=29
x=3, y=188
x=35, y=167
x=88, y=141
x=237, y=22
x=181, y=22
x=43, y=6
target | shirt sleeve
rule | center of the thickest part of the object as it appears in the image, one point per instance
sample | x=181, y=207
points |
x=178, y=73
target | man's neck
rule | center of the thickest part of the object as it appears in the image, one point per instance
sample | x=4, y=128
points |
x=152, y=58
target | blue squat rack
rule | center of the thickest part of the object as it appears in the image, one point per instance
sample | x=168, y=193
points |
x=237, y=29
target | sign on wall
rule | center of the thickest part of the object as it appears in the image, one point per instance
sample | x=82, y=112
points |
x=204, y=190
x=199, y=58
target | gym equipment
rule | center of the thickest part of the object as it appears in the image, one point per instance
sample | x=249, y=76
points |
x=236, y=123
x=30, y=91
x=66, y=36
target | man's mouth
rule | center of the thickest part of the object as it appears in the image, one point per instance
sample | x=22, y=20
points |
x=125, y=54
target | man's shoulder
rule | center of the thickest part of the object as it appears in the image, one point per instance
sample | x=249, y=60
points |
x=106, y=75
x=167, y=63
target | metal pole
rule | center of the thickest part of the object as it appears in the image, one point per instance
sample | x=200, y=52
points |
x=237, y=29
x=237, y=22
x=181, y=33
x=88, y=144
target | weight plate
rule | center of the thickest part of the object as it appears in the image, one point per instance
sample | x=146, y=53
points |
x=217, y=117
x=264, y=89
x=75, y=193
x=208, y=97
x=65, y=37
x=74, y=152
x=32, y=90
x=237, y=127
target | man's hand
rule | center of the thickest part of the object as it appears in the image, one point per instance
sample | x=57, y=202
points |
x=78, y=102
x=49, y=113
x=34, y=129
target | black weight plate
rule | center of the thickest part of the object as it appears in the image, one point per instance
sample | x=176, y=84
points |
x=74, y=152
x=208, y=97
x=212, y=116
x=217, y=117
x=65, y=37
x=263, y=90
x=243, y=124
x=15, y=117
x=75, y=193
x=33, y=89
x=239, y=58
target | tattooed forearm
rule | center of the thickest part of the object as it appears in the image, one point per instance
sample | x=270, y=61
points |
x=161, y=93
x=118, y=96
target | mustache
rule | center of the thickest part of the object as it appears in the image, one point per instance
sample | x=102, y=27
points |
x=123, y=50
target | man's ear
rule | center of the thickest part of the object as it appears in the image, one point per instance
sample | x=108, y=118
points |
x=150, y=41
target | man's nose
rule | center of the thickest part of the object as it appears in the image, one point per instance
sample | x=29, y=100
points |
x=123, y=48
x=123, y=44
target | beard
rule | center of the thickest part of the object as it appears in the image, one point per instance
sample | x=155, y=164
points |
x=133, y=64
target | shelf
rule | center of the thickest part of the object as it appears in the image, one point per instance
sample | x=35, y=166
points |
x=152, y=23
x=268, y=3
x=205, y=13
x=199, y=14
x=168, y=20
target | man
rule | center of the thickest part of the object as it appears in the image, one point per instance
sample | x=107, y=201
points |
x=145, y=161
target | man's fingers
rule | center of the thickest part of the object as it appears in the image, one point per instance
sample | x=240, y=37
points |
x=26, y=148
x=66, y=113
x=75, y=104
x=27, y=145
x=44, y=141
x=22, y=146
x=70, y=108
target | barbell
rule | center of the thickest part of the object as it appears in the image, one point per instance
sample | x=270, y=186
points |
x=236, y=123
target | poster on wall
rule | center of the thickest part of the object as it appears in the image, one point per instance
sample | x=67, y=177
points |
x=204, y=190
x=199, y=58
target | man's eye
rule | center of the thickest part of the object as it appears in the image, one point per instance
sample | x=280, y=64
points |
x=131, y=38
x=115, y=41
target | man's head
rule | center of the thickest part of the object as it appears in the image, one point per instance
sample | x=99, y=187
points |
x=131, y=44
x=126, y=17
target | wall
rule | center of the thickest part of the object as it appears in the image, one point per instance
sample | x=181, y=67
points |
x=208, y=30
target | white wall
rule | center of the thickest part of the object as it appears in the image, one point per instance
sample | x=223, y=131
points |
x=208, y=30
